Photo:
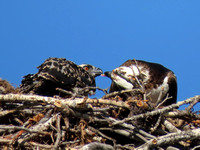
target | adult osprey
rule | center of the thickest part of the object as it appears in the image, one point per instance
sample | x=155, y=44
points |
x=154, y=78
x=60, y=73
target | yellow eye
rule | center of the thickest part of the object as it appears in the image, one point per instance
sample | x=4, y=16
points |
x=86, y=68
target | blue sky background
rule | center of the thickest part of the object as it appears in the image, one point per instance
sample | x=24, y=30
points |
x=104, y=33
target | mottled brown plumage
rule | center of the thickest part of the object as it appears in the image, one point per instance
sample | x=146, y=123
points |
x=60, y=73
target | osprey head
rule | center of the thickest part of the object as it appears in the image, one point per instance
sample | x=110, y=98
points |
x=92, y=70
x=121, y=76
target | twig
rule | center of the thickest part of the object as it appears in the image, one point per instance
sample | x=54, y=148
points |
x=103, y=135
x=157, y=124
x=58, y=132
x=64, y=91
x=41, y=126
x=140, y=84
x=98, y=88
x=10, y=127
x=96, y=145
x=108, y=102
x=170, y=138
x=70, y=142
x=172, y=129
x=196, y=147
x=6, y=112
x=134, y=91
x=182, y=113
x=156, y=112
x=76, y=94
x=161, y=102
x=127, y=133
x=194, y=102
x=159, y=98
x=5, y=140
x=38, y=145
x=77, y=102
x=133, y=128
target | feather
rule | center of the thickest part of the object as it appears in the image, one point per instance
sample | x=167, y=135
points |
x=59, y=73
x=156, y=80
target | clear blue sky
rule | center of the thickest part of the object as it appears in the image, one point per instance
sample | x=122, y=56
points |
x=103, y=33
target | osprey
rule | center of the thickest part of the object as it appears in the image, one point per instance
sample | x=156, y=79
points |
x=155, y=79
x=60, y=73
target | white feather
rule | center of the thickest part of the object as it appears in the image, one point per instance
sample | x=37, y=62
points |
x=162, y=88
x=127, y=72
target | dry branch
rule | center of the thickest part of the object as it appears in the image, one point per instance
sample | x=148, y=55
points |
x=9, y=127
x=73, y=103
x=170, y=138
x=40, y=122
x=158, y=111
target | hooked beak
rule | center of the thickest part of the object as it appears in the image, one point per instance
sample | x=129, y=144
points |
x=97, y=72
x=107, y=74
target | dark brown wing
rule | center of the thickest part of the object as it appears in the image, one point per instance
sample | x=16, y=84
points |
x=172, y=89
x=58, y=70
x=114, y=87
x=27, y=83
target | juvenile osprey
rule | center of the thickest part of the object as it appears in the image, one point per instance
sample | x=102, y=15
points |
x=156, y=80
x=60, y=73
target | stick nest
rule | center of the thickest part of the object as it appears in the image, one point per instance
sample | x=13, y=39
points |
x=39, y=122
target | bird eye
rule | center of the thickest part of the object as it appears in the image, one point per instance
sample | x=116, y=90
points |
x=86, y=68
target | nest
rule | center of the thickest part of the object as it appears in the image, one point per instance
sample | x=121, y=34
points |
x=39, y=122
